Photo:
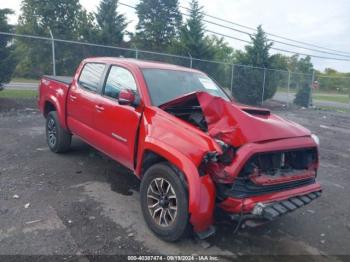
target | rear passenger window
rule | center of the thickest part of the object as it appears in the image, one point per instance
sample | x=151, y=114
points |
x=118, y=79
x=90, y=76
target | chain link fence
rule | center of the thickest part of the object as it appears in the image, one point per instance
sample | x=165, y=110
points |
x=36, y=56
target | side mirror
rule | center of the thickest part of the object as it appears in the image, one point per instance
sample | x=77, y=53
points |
x=127, y=97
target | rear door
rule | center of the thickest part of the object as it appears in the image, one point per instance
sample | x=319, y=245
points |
x=81, y=100
x=117, y=124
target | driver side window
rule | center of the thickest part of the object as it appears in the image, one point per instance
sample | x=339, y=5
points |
x=118, y=79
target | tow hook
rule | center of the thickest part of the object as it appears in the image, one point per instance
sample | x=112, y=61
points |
x=258, y=209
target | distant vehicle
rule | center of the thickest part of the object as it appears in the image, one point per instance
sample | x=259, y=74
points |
x=191, y=146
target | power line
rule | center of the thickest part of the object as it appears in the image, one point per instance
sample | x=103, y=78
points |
x=274, y=48
x=271, y=34
x=279, y=49
x=275, y=41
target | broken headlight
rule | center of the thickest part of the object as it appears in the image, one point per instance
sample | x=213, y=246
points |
x=228, y=152
x=316, y=139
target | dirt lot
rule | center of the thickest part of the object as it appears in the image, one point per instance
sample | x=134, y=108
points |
x=83, y=203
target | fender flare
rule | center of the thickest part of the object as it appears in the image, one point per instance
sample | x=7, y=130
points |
x=60, y=111
x=201, y=189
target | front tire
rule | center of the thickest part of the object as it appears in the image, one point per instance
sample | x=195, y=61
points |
x=164, y=202
x=58, y=139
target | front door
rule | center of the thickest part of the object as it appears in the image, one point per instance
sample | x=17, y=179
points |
x=117, y=123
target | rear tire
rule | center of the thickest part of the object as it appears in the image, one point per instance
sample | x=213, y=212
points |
x=58, y=139
x=164, y=202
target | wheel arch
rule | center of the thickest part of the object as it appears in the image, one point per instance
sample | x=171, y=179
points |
x=201, y=189
x=48, y=107
x=53, y=104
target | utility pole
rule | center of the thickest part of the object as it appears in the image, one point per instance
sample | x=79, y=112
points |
x=263, y=87
x=288, y=89
x=190, y=59
x=232, y=72
x=311, y=87
x=53, y=53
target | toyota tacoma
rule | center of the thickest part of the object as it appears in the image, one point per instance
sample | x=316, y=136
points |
x=193, y=148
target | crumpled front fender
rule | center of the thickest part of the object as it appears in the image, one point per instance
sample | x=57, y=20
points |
x=201, y=189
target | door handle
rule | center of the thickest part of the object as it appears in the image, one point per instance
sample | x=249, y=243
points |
x=99, y=108
x=72, y=98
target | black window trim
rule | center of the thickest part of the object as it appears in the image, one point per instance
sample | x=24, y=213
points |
x=100, y=81
x=107, y=71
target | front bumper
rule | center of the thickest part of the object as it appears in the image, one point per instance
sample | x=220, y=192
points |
x=264, y=213
x=246, y=205
x=276, y=209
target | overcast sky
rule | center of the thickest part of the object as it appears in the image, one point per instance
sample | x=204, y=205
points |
x=322, y=22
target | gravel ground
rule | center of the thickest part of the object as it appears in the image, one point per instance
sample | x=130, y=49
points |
x=83, y=203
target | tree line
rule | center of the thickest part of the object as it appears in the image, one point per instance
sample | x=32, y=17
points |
x=161, y=27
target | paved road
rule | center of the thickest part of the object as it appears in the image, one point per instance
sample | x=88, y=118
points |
x=285, y=97
x=84, y=203
x=21, y=86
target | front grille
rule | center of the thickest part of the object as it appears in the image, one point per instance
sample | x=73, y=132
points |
x=273, y=163
x=272, y=172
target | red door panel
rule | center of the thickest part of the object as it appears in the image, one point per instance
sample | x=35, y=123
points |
x=117, y=126
x=80, y=110
x=81, y=101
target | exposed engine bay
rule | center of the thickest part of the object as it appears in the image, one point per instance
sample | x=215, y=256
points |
x=232, y=126
x=191, y=112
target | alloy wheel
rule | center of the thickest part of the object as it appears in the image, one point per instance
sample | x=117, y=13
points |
x=162, y=202
x=51, y=132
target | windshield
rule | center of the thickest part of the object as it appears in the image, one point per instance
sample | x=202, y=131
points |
x=166, y=85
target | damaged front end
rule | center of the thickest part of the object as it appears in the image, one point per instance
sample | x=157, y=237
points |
x=263, y=160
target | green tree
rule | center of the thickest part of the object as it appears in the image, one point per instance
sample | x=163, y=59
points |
x=279, y=62
x=87, y=28
x=159, y=24
x=302, y=79
x=305, y=66
x=7, y=61
x=67, y=20
x=292, y=63
x=61, y=16
x=111, y=24
x=194, y=42
x=223, y=53
x=192, y=36
x=278, y=74
x=332, y=80
x=221, y=49
x=250, y=87
x=257, y=54
x=301, y=71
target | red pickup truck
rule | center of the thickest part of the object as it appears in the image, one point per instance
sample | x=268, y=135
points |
x=191, y=146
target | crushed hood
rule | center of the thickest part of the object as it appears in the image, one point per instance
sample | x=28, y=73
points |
x=237, y=124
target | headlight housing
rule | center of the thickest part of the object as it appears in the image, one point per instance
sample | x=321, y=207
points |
x=228, y=152
x=316, y=139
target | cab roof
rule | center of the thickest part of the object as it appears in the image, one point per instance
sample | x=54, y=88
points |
x=140, y=63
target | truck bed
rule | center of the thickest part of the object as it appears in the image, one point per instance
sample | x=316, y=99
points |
x=54, y=90
x=63, y=79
